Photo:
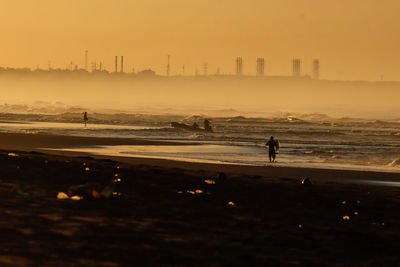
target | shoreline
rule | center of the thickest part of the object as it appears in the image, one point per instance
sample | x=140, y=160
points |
x=49, y=144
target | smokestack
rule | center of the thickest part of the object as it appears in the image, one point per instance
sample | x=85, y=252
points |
x=316, y=69
x=239, y=66
x=296, y=64
x=116, y=64
x=86, y=57
x=122, y=64
x=168, y=66
x=260, y=66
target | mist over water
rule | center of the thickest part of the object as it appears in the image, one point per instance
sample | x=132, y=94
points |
x=211, y=95
x=317, y=122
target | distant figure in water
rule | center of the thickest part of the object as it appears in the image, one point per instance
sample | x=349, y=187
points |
x=273, y=147
x=207, y=126
x=85, y=118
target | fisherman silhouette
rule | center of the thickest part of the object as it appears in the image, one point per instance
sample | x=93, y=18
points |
x=273, y=147
x=207, y=126
x=85, y=118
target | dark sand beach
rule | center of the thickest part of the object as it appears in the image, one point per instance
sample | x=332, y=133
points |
x=165, y=213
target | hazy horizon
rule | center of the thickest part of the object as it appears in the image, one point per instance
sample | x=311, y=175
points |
x=353, y=39
x=243, y=96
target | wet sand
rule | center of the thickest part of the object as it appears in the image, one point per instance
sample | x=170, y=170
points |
x=252, y=216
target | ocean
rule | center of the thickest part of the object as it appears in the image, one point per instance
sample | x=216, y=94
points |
x=306, y=140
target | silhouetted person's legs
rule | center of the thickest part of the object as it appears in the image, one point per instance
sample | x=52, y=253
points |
x=271, y=155
x=85, y=118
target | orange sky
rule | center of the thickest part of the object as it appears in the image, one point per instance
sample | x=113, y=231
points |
x=354, y=39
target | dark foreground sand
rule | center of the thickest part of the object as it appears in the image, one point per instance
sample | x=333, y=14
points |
x=159, y=219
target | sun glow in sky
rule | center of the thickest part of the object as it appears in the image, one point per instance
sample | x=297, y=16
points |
x=354, y=39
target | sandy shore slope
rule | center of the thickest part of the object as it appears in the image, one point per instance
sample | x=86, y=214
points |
x=166, y=214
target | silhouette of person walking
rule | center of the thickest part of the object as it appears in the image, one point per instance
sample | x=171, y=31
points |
x=273, y=147
x=85, y=118
x=207, y=126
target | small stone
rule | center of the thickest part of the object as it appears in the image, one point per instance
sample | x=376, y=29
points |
x=306, y=182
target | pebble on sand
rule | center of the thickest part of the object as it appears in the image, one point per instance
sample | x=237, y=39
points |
x=209, y=181
x=306, y=182
x=62, y=195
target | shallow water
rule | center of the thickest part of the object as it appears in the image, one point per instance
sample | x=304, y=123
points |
x=329, y=143
x=226, y=154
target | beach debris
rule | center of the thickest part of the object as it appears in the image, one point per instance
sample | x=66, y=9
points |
x=209, y=181
x=86, y=190
x=230, y=203
x=90, y=190
x=63, y=196
x=76, y=198
x=12, y=154
x=195, y=192
x=306, y=182
x=346, y=218
x=222, y=176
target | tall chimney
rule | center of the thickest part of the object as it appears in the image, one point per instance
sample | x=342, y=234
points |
x=116, y=64
x=122, y=64
x=86, y=59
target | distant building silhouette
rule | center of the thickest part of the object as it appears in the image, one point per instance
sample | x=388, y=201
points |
x=116, y=64
x=147, y=73
x=122, y=64
x=296, y=67
x=239, y=66
x=260, y=66
x=316, y=69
